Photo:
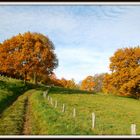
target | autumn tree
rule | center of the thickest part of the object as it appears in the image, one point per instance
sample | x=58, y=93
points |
x=53, y=80
x=71, y=84
x=125, y=72
x=63, y=82
x=98, y=80
x=28, y=54
x=88, y=83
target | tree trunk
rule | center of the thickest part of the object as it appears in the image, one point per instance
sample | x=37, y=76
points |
x=25, y=76
x=35, y=78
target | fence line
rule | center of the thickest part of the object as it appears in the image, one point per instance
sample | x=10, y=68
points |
x=133, y=126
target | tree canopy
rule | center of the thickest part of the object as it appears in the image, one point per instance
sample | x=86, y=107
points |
x=88, y=83
x=27, y=55
x=125, y=72
x=98, y=80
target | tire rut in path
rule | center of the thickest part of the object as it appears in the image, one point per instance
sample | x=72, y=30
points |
x=27, y=121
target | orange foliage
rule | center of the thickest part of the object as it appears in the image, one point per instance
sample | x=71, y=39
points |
x=68, y=83
x=125, y=76
x=88, y=83
x=27, y=54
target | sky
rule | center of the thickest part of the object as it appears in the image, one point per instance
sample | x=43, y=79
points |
x=84, y=36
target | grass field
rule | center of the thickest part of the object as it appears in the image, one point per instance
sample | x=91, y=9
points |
x=29, y=113
x=12, y=120
x=10, y=89
x=114, y=115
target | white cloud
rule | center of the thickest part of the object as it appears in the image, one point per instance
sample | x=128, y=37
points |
x=84, y=37
x=80, y=62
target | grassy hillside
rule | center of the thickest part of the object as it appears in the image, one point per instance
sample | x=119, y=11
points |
x=10, y=89
x=12, y=120
x=114, y=115
x=29, y=113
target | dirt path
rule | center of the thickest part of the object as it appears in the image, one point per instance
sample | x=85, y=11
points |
x=27, y=121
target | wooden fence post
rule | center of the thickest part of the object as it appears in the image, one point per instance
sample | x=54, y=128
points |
x=55, y=104
x=47, y=92
x=48, y=98
x=74, y=113
x=44, y=94
x=133, y=129
x=93, y=120
x=63, y=108
x=51, y=101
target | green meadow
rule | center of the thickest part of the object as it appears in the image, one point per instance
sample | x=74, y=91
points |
x=113, y=115
x=25, y=111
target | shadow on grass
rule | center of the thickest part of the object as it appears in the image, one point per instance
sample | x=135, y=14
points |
x=60, y=90
x=17, y=89
x=121, y=96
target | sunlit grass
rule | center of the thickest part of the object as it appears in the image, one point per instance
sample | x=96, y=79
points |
x=114, y=115
x=12, y=119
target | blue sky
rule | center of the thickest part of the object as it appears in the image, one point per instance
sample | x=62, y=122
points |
x=84, y=36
